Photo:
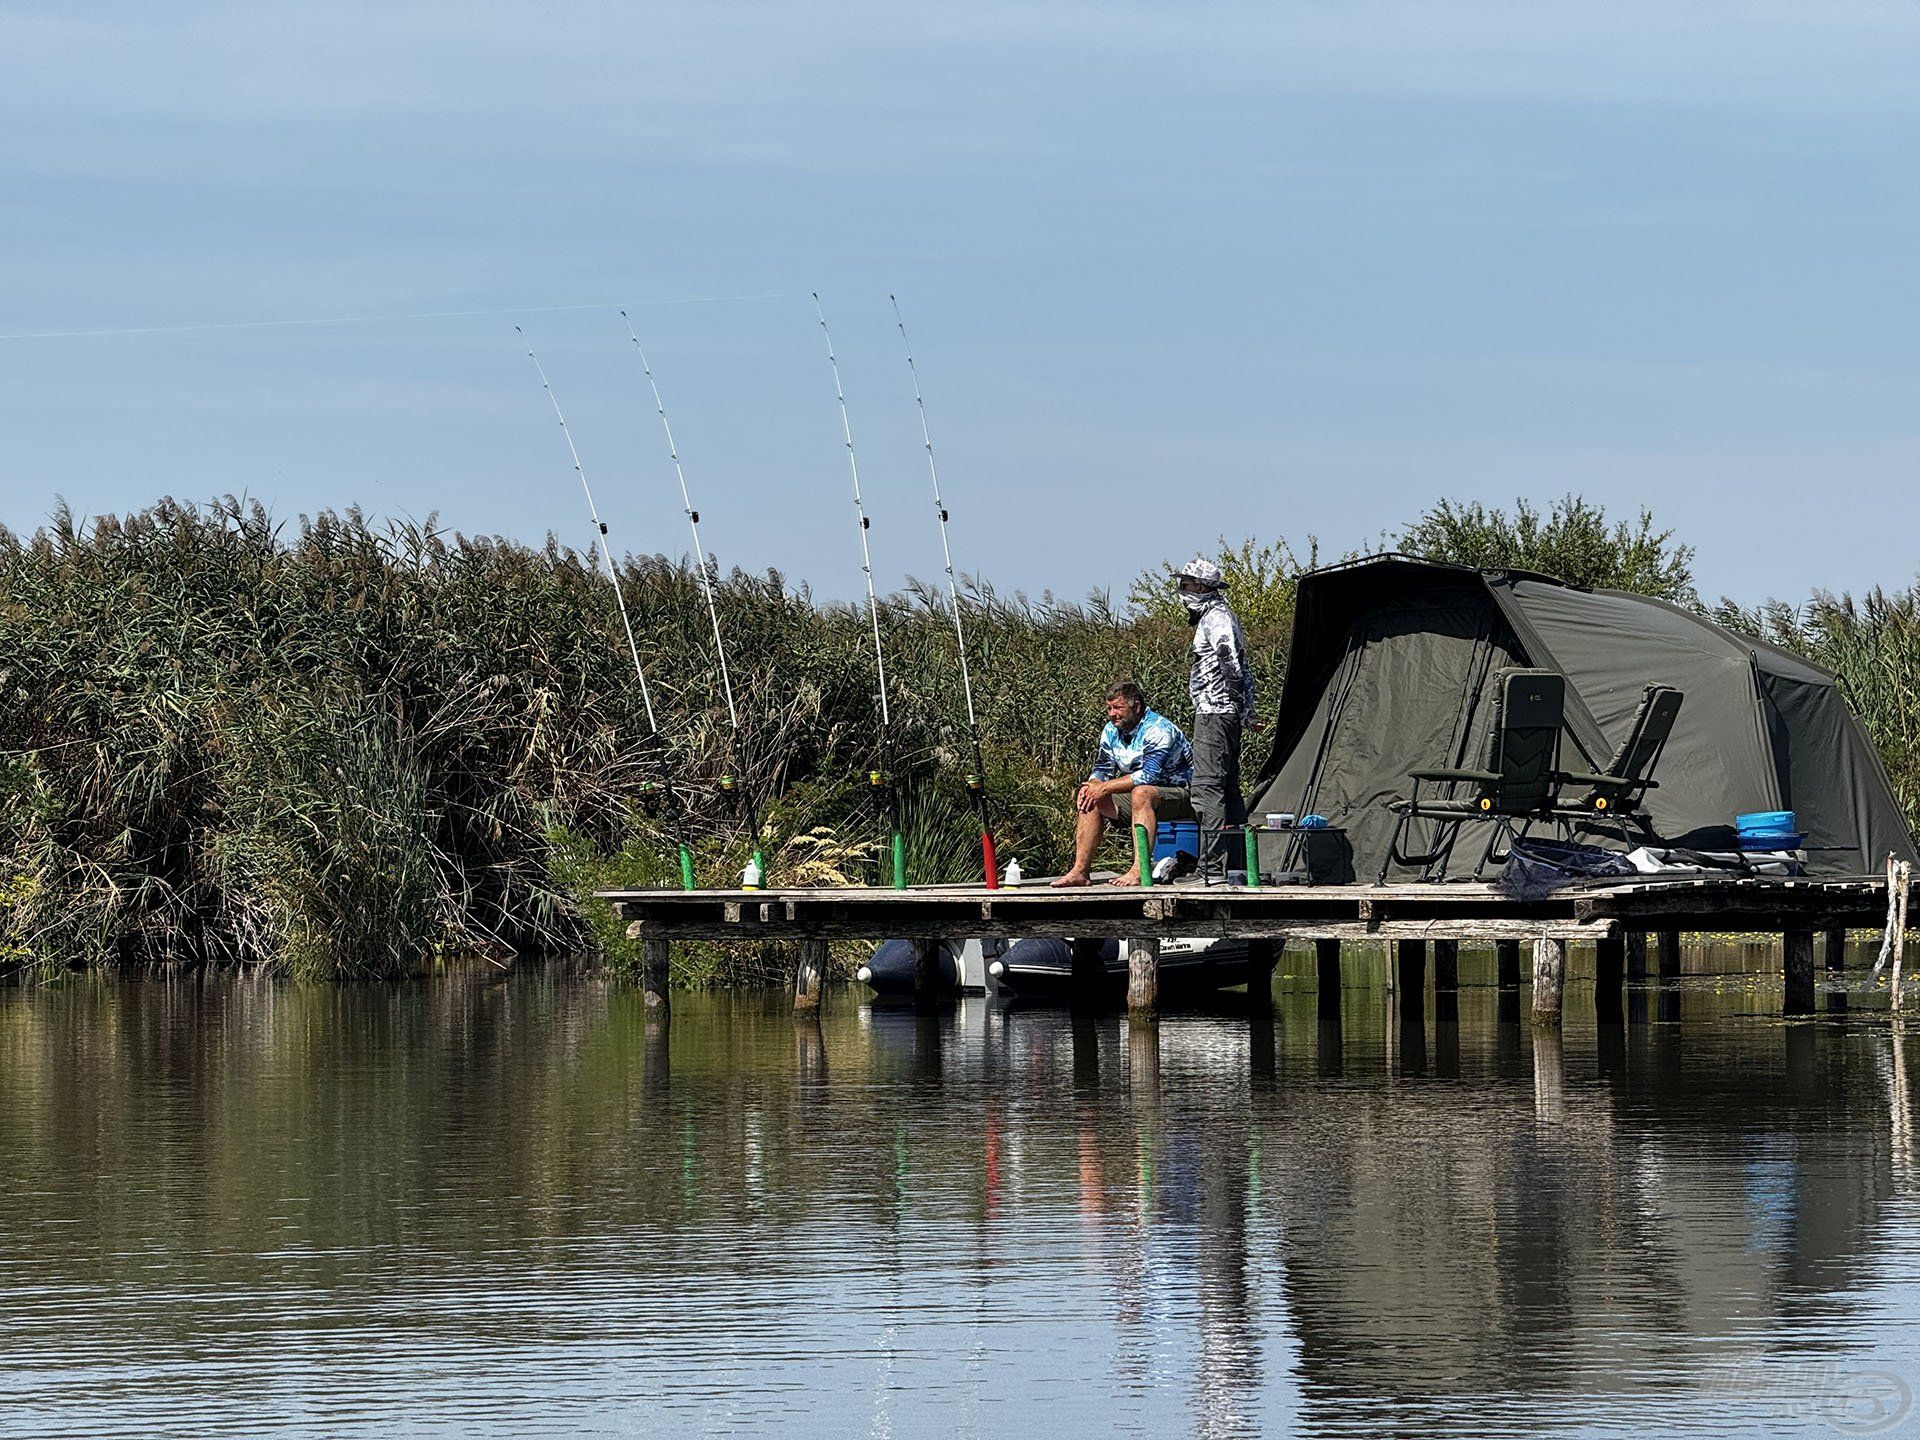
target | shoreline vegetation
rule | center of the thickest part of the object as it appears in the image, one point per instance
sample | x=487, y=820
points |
x=343, y=748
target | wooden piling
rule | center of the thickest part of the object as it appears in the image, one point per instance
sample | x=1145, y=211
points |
x=1326, y=965
x=1086, y=1051
x=1262, y=956
x=809, y=1049
x=1143, y=976
x=1089, y=971
x=1836, y=946
x=926, y=974
x=1549, y=979
x=1143, y=1059
x=1507, y=963
x=1798, y=946
x=656, y=1070
x=1410, y=961
x=655, y=956
x=1609, y=967
x=1636, y=955
x=809, y=977
x=1667, y=946
x=1446, y=981
x=1549, y=1063
x=926, y=1046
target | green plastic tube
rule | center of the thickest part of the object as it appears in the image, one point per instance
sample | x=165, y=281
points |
x=1143, y=854
x=899, y=861
x=686, y=868
x=1253, y=856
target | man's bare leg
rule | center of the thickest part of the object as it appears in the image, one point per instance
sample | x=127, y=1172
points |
x=1143, y=799
x=1086, y=839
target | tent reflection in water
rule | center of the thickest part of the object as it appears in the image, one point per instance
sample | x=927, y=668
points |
x=1391, y=667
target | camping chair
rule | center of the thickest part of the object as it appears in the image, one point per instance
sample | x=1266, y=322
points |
x=1616, y=797
x=1520, y=781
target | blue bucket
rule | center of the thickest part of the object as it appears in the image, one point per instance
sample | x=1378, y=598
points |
x=1774, y=840
x=1175, y=835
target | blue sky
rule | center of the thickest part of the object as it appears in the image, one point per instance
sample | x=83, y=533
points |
x=1172, y=272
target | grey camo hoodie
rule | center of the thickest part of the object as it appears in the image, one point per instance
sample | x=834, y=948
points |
x=1222, y=682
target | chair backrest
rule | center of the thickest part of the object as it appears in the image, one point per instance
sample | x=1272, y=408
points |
x=1524, y=740
x=1632, y=764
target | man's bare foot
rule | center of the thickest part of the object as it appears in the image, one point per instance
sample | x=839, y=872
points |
x=1132, y=877
x=1071, y=879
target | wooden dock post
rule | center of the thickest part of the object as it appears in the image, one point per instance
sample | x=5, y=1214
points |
x=809, y=1049
x=1262, y=956
x=1326, y=966
x=1798, y=945
x=1609, y=967
x=809, y=977
x=1143, y=976
x=1446, y=981
x=656, y=1068
x=1549, y=978
x=926, y=974
x=1507, y=963
x=655, y=956
x=1410, y=961
x=1549, y=1067
x=1636, y=941
x=1143, y=1059
x=1836, y=948
x=1667, y=946
x=1086, y=1051
x=1089, y=971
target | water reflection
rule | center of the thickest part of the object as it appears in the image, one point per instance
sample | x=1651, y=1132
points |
x=534, y=1206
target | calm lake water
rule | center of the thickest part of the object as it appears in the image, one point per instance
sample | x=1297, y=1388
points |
x=514, y=1207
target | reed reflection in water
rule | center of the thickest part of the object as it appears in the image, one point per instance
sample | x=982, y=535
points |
x=525, y=1206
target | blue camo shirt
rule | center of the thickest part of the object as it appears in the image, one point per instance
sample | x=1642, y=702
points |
x=1156, y=753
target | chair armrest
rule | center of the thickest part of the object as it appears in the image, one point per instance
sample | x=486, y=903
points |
x=1485, y=777
x=1582, y=777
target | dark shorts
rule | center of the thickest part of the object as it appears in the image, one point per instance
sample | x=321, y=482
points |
x=1171, y=802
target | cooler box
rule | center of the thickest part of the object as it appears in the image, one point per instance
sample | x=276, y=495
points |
x=1173, y=836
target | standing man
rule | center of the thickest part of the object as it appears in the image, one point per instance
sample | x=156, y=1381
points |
x=1141, y=778
x=1222, y=688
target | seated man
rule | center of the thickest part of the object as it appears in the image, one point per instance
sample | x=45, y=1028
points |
x=1144, y=776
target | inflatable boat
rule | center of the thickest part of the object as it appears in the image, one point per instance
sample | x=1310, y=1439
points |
x=1041, y=970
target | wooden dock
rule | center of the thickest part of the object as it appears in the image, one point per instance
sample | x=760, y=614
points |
x=1620, y=919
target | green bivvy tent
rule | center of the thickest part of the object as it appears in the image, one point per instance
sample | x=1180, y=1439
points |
x=1391, y=671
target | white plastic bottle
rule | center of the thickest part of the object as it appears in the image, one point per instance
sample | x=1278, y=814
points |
x=1012, y=876
x=750, y=877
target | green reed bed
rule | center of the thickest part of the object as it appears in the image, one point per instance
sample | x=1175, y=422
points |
x=341, y=747
x=337, y=747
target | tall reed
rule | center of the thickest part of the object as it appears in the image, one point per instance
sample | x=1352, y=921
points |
x=342, y=747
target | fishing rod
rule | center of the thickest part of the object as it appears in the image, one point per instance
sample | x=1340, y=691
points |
x=881, y=780
x=737, y=790
x=620, y=599
x=976, y=781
